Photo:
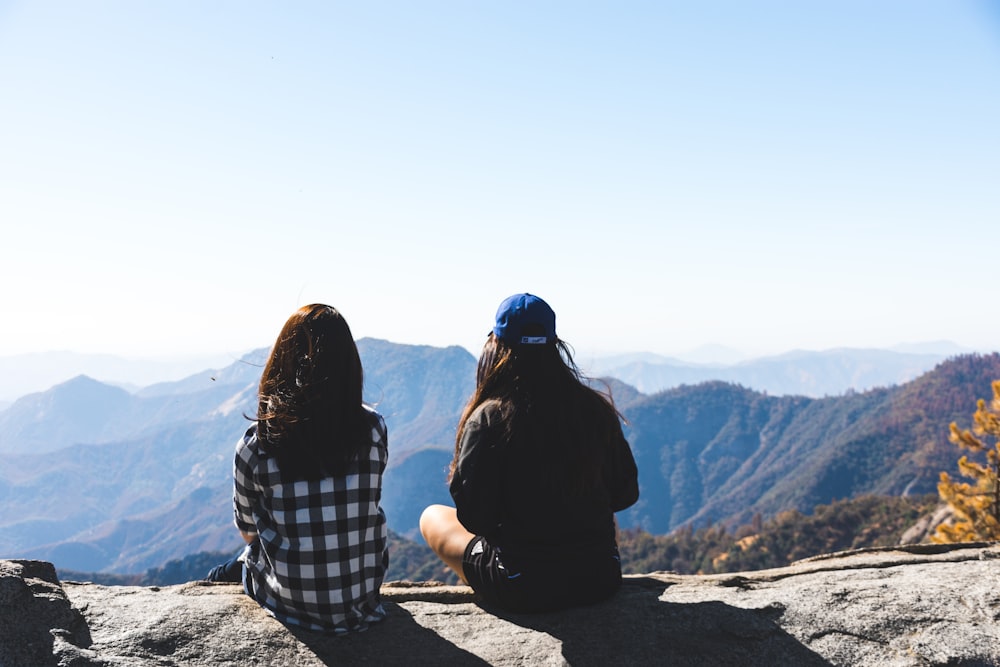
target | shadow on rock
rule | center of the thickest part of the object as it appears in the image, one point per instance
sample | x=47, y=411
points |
x=655, y=632
x=398, y=640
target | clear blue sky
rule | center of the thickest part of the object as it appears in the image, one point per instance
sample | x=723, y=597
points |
x=178, y=177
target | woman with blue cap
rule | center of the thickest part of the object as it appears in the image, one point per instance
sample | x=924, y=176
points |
x=540, y=468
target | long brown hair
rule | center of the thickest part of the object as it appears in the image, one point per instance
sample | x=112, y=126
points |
x=546, y=406
x=309, y=410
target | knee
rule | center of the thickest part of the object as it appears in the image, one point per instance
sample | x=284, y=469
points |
x=432, y=520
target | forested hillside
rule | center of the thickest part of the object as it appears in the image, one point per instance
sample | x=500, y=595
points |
x=867, y=521
x=716, y=452
x=408, y=559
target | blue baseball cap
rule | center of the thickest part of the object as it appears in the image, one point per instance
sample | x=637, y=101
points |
x=524, y=319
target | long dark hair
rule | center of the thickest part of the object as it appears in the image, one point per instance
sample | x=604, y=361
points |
x=309, y=409
x=546, y=406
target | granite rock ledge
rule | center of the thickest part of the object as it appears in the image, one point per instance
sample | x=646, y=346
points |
x=907, y=605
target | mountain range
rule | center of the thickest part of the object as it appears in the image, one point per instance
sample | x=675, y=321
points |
x=96, y=478
x=719, y=452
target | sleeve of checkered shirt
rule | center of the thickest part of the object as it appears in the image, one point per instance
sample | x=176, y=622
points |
x=244, y=489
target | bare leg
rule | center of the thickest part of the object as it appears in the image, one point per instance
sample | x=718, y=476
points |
x=445, y=535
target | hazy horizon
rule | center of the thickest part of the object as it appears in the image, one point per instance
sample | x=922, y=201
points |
x=180, y=177
x=31, y=372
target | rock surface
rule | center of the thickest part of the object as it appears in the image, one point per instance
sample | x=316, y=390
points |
x=915, y=605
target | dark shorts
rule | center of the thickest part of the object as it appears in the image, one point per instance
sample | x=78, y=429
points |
x=570, y=578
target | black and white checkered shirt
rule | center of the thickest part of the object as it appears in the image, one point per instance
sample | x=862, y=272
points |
x=322, y=552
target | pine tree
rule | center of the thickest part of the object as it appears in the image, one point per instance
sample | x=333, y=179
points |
x=976, y=505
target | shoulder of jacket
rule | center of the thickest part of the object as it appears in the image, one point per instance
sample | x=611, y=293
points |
x=487, y=411
x=379, y=420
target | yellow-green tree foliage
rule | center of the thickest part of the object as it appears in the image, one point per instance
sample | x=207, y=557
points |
x=976, y=504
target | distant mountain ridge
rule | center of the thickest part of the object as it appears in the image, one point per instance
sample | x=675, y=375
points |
x=24, y=374
x=796, y=373
x=85, y=411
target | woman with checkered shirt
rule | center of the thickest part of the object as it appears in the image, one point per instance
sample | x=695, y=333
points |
x=308, y=482
x=540, y=468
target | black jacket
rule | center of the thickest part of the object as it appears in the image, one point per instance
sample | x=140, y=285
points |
x=506, y=493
